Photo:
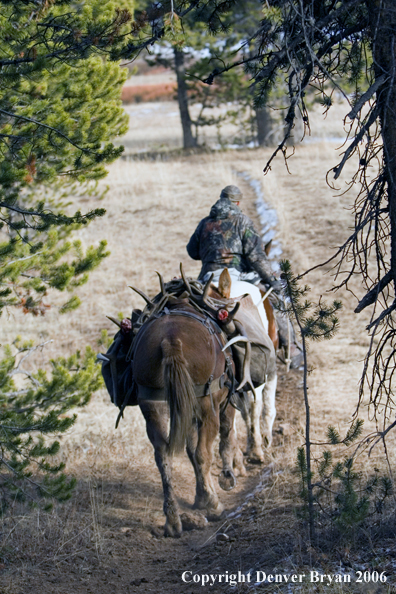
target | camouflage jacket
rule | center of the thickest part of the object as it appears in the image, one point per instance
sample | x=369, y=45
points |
x=228, y=239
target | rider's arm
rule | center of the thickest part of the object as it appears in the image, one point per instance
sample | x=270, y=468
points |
x=194, y=243
x=255, y=256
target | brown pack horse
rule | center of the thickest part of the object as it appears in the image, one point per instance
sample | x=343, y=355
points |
x=180, y=371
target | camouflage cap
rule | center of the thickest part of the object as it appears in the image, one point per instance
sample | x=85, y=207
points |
x=233, y=193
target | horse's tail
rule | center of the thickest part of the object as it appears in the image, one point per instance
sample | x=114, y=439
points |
x=180, y=393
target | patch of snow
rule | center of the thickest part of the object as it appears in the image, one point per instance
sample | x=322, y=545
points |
x=268, y=219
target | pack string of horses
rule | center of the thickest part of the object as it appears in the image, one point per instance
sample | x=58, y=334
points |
x=192, y=357
x=202, y=349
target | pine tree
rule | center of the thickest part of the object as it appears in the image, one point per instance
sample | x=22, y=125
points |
x=32, y=411
x=56, y=119
x=190, y=49
x=59, y=109
x=350, y=500
x=314, y=322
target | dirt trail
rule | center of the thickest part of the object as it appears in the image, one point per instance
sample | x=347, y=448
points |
x=105, y=539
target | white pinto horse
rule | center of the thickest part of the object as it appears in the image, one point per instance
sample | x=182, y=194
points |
x=260, y=412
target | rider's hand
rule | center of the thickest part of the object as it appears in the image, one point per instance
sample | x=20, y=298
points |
x=277, y=285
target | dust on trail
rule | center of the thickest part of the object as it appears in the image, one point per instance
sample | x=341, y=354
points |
x=103, y=540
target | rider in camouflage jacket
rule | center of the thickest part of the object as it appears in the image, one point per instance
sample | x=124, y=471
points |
x=228, y=239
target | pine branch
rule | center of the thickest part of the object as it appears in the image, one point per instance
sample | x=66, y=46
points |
x=46, y=127
x=372, y=296
x=372, y=118
x=366, y=96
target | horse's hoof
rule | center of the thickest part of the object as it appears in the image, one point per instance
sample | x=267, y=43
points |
x=227, y=480
x=215, y=513
x=173, y=531
x=255, y=458
x=191, y=521
x=199, y=504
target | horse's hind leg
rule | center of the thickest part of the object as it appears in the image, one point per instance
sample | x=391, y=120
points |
x=206, y=496
x=156, y=415
x=230, y=452
x=269, y=410
x=202, y=493
x=252, y=415
x=191, y=447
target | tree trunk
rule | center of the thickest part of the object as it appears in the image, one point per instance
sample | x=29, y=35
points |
x=383, y=32
x=182, y=98
x=264, y=126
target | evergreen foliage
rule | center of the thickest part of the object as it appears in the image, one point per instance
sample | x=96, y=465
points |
x=321, y=324
x=33, y=409
x=59, y=110
x=43, y=256
x=343, y=500
x=56, y=119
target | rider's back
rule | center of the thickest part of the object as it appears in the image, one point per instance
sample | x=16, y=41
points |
x=225, y=239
